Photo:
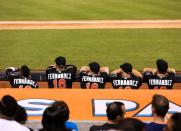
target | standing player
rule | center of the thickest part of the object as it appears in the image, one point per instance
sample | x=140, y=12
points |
x=20, y=78
x=93, y=77
x=60, y=75
x=126, y=77
x=160, y=78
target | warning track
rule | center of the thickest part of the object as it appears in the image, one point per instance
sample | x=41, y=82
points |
x=89, y=24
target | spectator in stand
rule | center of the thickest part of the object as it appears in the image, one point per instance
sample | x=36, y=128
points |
x=93, y=76
x=21, y=116
x=174, y=123
x=160, y=106
x=8, y=110
x=20, y=78
x=132, y=124
x=60, y=75
x=126, y=77
x=55, y=118
x=115, y=114
x=160, y=78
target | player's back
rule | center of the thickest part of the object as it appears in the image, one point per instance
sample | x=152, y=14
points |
x=60, y=79
x=133, y=82
x=155, y=81
x=93, y=81
x=18, y=81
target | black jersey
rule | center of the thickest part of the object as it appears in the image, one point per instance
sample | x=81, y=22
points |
x=157, y=82
x=120, y=82
x=60, y=79
x=93, y=81
x=18, y=81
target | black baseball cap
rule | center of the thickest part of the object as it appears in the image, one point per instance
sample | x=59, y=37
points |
x=60, y=61
x=126, y=67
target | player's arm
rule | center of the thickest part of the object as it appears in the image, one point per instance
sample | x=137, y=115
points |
x=171, y=70
x=51, y=66
x=149, y=70
x=48, y=69
x=117, y=71
x=84, y=69
x=11, y=71
x=72, y=68
x=37, y=85
x=69, y=66
x=136, y=73
x=104, y=69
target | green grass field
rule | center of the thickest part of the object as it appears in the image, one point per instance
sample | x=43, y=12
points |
x=89, y=9
x=141, y=47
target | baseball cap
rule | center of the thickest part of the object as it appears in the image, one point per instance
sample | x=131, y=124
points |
x=126, y=67
x=60, y=61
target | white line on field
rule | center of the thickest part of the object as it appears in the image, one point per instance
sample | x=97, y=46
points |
x=91, y=22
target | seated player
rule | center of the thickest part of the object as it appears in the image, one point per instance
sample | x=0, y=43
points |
x=125, y=77
x=93, y=77
x=160, y=78
x=20, y=78
x=60, y=75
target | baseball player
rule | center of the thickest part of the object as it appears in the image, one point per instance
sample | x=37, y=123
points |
x=160, y=78
x=60, y=75
x=20, y=78
x=126, y=77
x=93, y=76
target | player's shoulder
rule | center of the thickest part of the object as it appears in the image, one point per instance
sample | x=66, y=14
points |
x=71, y=68
x=103, y=74
x=171, y=76
x=51, y=68
x=83, y=73
x=135, y=77
x=12, y=72
x=148, y=74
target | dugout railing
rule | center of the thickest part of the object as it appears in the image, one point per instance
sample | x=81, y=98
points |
x=40, y=77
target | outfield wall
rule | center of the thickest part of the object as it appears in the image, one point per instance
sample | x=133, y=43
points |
x=91, y=104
